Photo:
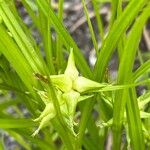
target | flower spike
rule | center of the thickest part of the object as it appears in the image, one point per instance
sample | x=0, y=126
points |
x=68, y=87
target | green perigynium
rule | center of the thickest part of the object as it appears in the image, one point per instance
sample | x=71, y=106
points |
x=68, y=87
x=71, y=70
x=82, y=84
x=63, y=82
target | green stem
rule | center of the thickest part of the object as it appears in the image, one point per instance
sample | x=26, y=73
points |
x=60, y=60
x=45, y=27
x=99, y=20
x=90, y=27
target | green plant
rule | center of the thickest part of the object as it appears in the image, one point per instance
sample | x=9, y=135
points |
x=53, y=92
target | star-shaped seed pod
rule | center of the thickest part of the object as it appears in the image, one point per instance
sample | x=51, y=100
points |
x=69, y=87
x=71, y=80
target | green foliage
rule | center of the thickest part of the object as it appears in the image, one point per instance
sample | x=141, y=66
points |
x=61, y=103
